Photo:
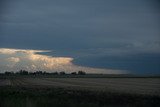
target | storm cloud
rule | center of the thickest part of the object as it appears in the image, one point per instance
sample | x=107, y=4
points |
x=112, y=34
x=16, y=59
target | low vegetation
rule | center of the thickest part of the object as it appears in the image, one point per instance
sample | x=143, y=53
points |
x=25, y=72
x=77, y=89
x=60, y=97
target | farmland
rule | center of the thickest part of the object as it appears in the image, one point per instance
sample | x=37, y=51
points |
x=149, y=86
x=93, y=92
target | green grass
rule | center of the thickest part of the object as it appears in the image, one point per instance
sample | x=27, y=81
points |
x=60, y=97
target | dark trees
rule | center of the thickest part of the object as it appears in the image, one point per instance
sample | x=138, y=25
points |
x=81, y=73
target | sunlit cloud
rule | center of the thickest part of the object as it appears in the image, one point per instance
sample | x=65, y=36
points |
x=13, y=59
x=31, y=60
x=13, y=51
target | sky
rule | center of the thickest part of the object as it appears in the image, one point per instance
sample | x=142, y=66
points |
x=102, y=36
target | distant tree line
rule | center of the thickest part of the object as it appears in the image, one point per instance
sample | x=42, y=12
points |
x=25, y=72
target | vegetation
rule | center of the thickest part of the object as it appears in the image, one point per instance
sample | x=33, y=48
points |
x=25, y=72
x=59, y=97
x=81, y=73
x=42, y=89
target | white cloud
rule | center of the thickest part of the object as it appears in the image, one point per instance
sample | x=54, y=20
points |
x=13, y=59
x=16, y=59
x=13, y=51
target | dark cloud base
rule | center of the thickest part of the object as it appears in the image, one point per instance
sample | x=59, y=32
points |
x=117, y=34
x=135, y=64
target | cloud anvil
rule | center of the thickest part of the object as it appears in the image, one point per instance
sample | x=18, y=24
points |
x=16, y=59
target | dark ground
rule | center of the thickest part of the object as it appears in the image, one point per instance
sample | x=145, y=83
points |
x=60, y=97
x=19, y=95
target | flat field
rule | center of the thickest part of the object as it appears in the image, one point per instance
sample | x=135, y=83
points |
x=150, y=86
x=29, y=91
